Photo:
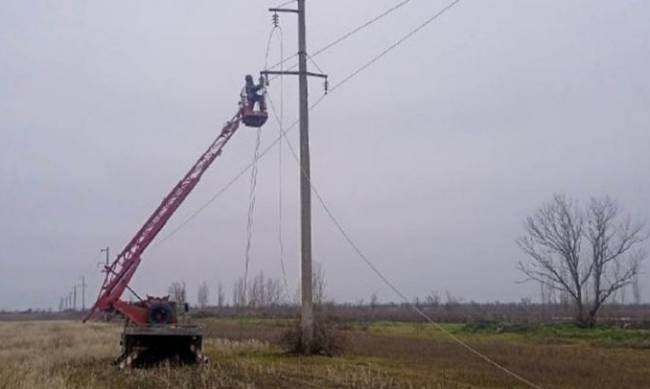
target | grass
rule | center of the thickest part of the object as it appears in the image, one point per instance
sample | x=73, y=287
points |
x=604, y=336
x=244, y=354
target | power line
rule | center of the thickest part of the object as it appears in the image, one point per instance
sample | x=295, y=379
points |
x=285, y=3
x=407, y=301
x=346, y=35
x=390, y=284
x=395, y=45
x=361, y=27
x=296, y=122
x=356, y=248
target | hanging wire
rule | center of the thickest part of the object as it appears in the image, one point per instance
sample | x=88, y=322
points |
x=251, y=205
x=344, y=233
x=355, y=247
x=280, y=175
x=293, y=125
x=277, y=28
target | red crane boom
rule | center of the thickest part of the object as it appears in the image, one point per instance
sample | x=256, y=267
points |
x=120, y=272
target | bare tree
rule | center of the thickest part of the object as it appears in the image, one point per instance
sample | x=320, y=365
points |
x=636, y=290
x=374, y=299
x=318, y=284
x=613, y=241
x=565, y=298
x=177, y=292
x=203, y=294
x=554, y=239
x=260, y=292
x=256, y=291
x=273, y=292
x=221, y=297
x=433, y=299
x=451, y=300
x=239, y=293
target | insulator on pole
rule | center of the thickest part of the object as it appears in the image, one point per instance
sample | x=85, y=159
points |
x=276, y=20
x=326, y=86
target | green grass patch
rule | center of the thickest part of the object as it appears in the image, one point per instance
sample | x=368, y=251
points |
x=607, y=336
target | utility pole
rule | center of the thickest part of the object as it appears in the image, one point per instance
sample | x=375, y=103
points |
x=107, y=251
x=307, y=313
x=74, y=293
x=307, y=318
x=83, y=293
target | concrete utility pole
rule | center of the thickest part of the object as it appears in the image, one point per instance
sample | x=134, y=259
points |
x=307, y=314
x=307, y=318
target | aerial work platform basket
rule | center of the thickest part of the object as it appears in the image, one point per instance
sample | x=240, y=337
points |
x=253, y=118
x=249, y=116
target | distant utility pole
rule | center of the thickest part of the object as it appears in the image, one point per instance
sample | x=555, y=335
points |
x=83, y=293
x=74, y=293
x=107, y=250
x=307, y=316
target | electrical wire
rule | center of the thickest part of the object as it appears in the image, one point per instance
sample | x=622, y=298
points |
x=318, y=101
x=361, y=27
x=278, y=28
x=251, y=206
x=336, y=86
x=311, y=58
x=390, y=284
x=285, y=4
x=336, y=222
x=395, y=45
x=346, y=35
x=357, y=249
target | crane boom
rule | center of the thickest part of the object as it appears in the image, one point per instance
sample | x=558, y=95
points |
x=120, y=272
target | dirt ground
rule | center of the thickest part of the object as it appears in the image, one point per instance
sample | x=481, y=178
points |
x=245, y=354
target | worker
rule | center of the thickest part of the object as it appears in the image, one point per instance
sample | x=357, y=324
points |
x=252, y=93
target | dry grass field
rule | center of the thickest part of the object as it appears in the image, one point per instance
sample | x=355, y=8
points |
x=244, y=354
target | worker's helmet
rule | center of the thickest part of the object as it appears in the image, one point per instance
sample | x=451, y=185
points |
x=249, y=78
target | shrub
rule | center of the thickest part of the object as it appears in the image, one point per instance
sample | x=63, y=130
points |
x=326, y=341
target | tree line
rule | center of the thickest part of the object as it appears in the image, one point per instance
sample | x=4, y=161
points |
x=258, y=291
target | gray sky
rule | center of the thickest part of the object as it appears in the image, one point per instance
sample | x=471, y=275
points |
x=431, y=158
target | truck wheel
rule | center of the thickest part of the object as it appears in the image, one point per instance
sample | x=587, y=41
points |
x=160, y=314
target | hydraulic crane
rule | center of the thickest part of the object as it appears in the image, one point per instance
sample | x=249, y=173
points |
x=152, y=331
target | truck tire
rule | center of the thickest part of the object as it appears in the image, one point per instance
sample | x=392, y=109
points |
x=160, y=313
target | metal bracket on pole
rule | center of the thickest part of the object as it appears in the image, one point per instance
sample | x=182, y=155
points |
x=266, y=73
x=291, y=73
x=283, y=10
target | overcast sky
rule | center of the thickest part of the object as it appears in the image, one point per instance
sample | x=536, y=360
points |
x=431, y=158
